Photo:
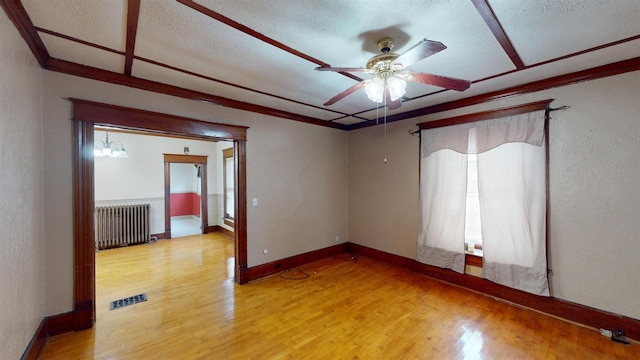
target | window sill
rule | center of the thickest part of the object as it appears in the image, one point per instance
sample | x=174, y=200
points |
x=473, y=260
x=229, y=222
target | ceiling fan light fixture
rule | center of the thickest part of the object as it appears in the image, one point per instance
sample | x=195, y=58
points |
x=375, y=89
x=397, y=87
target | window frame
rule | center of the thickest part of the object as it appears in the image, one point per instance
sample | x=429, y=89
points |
x=228, y=220
x=472, y=259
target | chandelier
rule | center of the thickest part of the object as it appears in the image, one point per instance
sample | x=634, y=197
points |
x=108, y=148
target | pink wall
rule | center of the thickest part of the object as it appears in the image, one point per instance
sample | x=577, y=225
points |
x=185, y=204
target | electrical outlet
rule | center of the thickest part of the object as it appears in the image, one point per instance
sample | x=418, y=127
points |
x=265, y=251
x=337, y=238
x=605, y=332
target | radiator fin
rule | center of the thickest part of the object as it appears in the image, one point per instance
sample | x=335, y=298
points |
x=121, y=225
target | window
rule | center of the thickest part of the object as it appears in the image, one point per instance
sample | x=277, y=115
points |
x=472, y=222
x=228, y=185
x=483, y=190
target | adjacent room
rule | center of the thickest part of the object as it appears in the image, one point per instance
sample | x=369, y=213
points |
x=319, y=179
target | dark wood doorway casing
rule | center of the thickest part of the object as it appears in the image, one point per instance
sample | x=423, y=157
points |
x=86, y=114
x=185, y=159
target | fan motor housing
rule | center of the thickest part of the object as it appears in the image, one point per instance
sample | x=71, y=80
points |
x=386, y=57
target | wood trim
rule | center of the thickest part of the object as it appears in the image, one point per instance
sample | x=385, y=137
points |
x=240, y=231
x=259, y=271
x=217, y=228
x=489, y=17
x=79, y=41
x=617, y=68
x=37, y=343
x=147, y=133
x=83, y=230
x=185, y=159
x=167, y=200
x=236, y=25
x=136, y=119
x=204, y=198
x=473, y=260
x=486, y=115
x=567, y=310
x=61, y=323
x=83, y=181
x=89, y=72
x=237, y=86
x=133, y=12
x=227, y=153
x=20, y=19
x=159, y=236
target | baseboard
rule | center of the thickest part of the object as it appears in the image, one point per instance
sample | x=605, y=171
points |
x=61, y=323
x=159, y=236
x=567, y=310
x=259, y=271
x=218, y=228
x=37, y=342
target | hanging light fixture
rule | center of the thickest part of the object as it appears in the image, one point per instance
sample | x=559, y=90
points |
x=375, y=88
x=108, y=148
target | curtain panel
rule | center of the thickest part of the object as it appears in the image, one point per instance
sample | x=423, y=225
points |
x=512, y=193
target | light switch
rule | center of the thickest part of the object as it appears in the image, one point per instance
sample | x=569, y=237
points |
x=255, y=201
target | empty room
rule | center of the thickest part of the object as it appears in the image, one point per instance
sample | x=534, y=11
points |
x=280, y=179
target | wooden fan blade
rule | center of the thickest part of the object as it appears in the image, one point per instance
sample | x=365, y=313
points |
x=419, y=51
x=341, y=69
x=345, y=93
x=391, y=105
x=437, y=80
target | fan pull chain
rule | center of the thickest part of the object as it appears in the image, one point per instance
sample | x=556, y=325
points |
x=385, y=123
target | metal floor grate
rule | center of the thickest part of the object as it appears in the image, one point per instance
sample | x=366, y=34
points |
x=116, y=304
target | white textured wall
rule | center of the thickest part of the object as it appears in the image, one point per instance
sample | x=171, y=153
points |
x=22, y=242
x=183, y=178
x=139, y=179
x=594, y=190
x=299, y=173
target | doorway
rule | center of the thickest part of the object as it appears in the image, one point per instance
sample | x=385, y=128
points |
x=86, y=114
x=185, y=199
x=185, y=192
x=185, y=195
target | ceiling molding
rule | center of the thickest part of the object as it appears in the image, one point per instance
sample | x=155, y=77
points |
x=70, y=68
x=133, y=13
x=205, y=77
x=83, y=42
x=245, y=29
x=489, y=17
x=20, y=19
x=616, y=68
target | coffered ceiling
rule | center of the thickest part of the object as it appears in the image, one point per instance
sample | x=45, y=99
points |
x=260, y=55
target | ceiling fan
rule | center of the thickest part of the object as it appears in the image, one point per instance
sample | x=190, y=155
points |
x=390, y=74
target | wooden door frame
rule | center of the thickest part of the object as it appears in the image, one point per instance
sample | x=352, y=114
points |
x=204, y=211
x=86, y=114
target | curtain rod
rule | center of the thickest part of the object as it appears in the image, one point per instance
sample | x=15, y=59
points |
x=563, y=107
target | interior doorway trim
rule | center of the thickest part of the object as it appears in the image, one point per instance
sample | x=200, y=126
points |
x=204, y=210
x=86, y=114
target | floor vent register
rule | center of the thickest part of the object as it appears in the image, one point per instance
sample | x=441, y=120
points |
x=117, y=304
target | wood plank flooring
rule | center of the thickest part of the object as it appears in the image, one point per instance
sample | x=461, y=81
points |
x=345, y=309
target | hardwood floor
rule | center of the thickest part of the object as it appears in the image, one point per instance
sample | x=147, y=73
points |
x=345, y=309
